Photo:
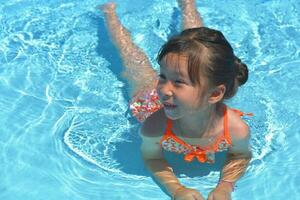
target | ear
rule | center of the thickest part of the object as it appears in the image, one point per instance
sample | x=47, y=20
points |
x=217, y=94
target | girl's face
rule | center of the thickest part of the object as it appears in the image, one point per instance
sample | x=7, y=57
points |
x=177, y=93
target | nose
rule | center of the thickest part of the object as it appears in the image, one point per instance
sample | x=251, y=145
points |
x=165, y=89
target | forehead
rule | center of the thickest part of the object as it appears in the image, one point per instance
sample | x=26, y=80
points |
x=175, y=63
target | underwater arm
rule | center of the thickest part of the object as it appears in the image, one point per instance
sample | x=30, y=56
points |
x=158, y=166
x=235, y=167
x=237, y=161
x=162, y=172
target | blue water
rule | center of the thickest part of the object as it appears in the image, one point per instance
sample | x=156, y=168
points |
x=65, y=131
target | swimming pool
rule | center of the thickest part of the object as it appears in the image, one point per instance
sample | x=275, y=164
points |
x=65, y=129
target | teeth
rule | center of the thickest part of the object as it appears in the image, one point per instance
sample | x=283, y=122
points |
x=170, y=105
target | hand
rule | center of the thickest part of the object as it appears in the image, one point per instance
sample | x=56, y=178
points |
x=221, y=192
x=184, y=193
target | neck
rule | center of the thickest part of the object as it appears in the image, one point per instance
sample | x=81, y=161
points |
x=197, y=124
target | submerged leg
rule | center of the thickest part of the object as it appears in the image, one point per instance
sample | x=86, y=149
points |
x=190, y=17
x=138, y=69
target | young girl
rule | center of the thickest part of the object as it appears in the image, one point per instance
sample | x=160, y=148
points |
x=183, y=111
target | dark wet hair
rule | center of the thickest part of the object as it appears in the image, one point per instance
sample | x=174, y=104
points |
x=208, y=53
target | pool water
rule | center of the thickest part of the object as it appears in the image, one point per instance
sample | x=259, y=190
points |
x=65, y=129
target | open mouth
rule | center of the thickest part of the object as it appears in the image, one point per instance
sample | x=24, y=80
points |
x=169, y=106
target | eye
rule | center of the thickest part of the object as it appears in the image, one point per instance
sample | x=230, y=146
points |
x=180, y=82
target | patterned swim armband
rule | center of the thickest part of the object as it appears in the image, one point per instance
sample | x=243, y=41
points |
x=145, y=103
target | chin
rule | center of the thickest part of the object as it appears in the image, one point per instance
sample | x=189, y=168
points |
x=172, y=115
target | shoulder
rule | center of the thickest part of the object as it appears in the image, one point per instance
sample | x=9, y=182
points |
x=154, y=125
x=151, y=133
x=240, y=134
x=239, y=130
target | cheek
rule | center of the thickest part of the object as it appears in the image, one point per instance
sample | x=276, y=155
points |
x=197, y=100
x=191, y=99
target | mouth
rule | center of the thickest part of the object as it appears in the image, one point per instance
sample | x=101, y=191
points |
x=169, y=105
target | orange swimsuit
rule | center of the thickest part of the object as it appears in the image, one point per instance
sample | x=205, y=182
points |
x=170, y=142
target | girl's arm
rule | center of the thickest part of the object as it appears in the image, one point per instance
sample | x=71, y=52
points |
x=158, y=166
x=237, y=161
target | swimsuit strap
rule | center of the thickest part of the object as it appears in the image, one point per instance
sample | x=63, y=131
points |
x=169, y=127
x=168, y=131
x=240, y=113
x=226, y=128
